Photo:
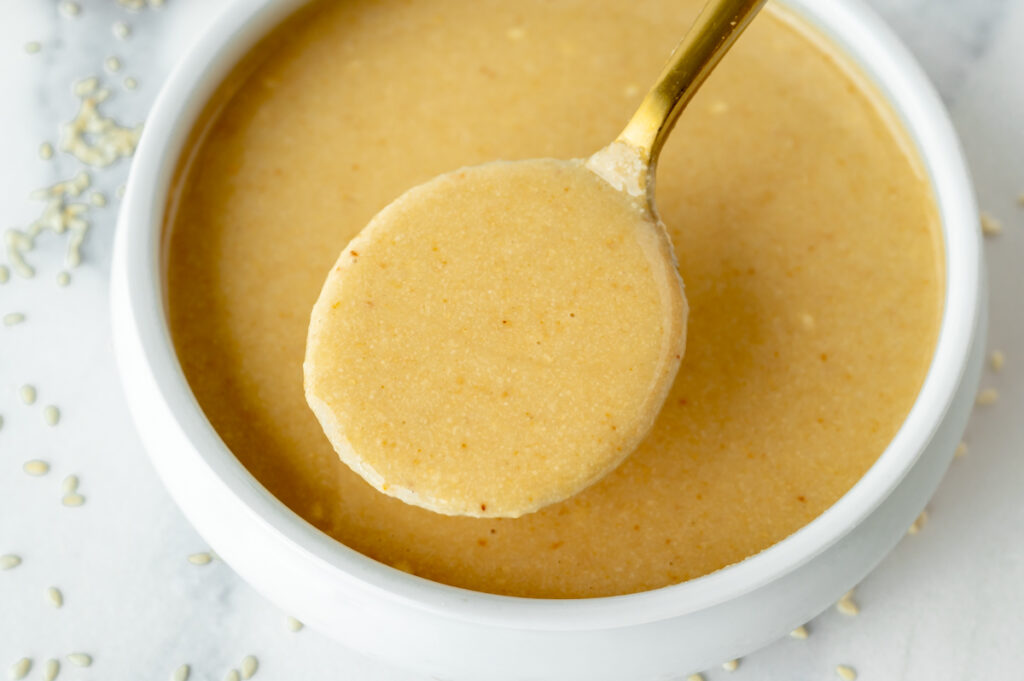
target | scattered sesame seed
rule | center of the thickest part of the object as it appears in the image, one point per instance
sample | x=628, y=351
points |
x=73, y=500
x=98, y=199
x=799, y=633
x=5, y=274
x=988, y=396
x=997, y=359
x=249, y=666
x=961, y=450
x=695, y=677
x=134, y=5
x=181, y=673
x=80, y=659
x=13, y=318
x=63, y=279
x=69, y=485
x=846, y=605
x=918, y=523
x=60, y=215
x=719, y=108
x=130, y=83
x=9, y=561
x=54, y=597
x=990, y=225
x=33, y=47
x=121, y=30
x=731, y=665
x=92, y=137
x=27, y=394
x=112, y=64
x=293, y=624
x=19, y=669
x=156, y=3
x=232, y=675
x=200, y=558
x=71, y=9
x=846, y=672
x=36, y=467
x=1020, y=199
x=46, y=151
x=51, y=669
x=120, y=191
x=51, y=415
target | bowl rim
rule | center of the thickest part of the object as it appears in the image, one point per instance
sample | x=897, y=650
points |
x=860, y=36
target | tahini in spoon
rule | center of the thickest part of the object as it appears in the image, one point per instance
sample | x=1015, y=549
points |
x=502, y=336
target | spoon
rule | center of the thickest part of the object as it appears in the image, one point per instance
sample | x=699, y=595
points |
x=501, y=337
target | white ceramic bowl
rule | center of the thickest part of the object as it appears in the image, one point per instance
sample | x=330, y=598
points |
x=451, y=633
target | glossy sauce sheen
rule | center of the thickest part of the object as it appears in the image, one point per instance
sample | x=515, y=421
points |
x=806, y=235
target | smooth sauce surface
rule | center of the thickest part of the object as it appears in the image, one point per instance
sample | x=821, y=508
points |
x=497, y=339
x=807, y=238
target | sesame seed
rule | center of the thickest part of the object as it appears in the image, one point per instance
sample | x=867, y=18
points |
x=80, y=659
x=133, y=5
x=120, y=191
x=27, y=394
x=997, y=359
x=33, y=47
x=112, y=64
x=73, y=500
x=719, y=108
x=846, y=605
x=961, y=450
x=918, y=523
x=69, y=485
x=181, y=673
x=36, y=467
x=51, y=415
x=13, y=318
x=54, y=597
x=731, y=665
x=71, y=9
x=46, y=151
x=98, y=199
x=990, y=225
x=232, y=675
x=988, y=396
x=51, y=669
x=249, y=666
x=1020, y=199
x=799, y=633
x=19, y=669
x=293, y=624
x=130, y=83
x=63, y=279
x=695, y=677
x=846, y=672
x=9, y=561
x=5, y=274
x=200, y=558
x=121, y=30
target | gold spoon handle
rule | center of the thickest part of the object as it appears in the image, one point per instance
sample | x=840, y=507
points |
x=719, y=25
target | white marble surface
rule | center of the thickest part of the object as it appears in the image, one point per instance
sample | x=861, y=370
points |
x=947, y=604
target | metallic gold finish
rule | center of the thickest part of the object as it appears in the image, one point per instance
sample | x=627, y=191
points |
x=712, y=34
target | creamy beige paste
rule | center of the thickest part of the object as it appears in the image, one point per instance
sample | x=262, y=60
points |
x=806, y=234
x=497, y=339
